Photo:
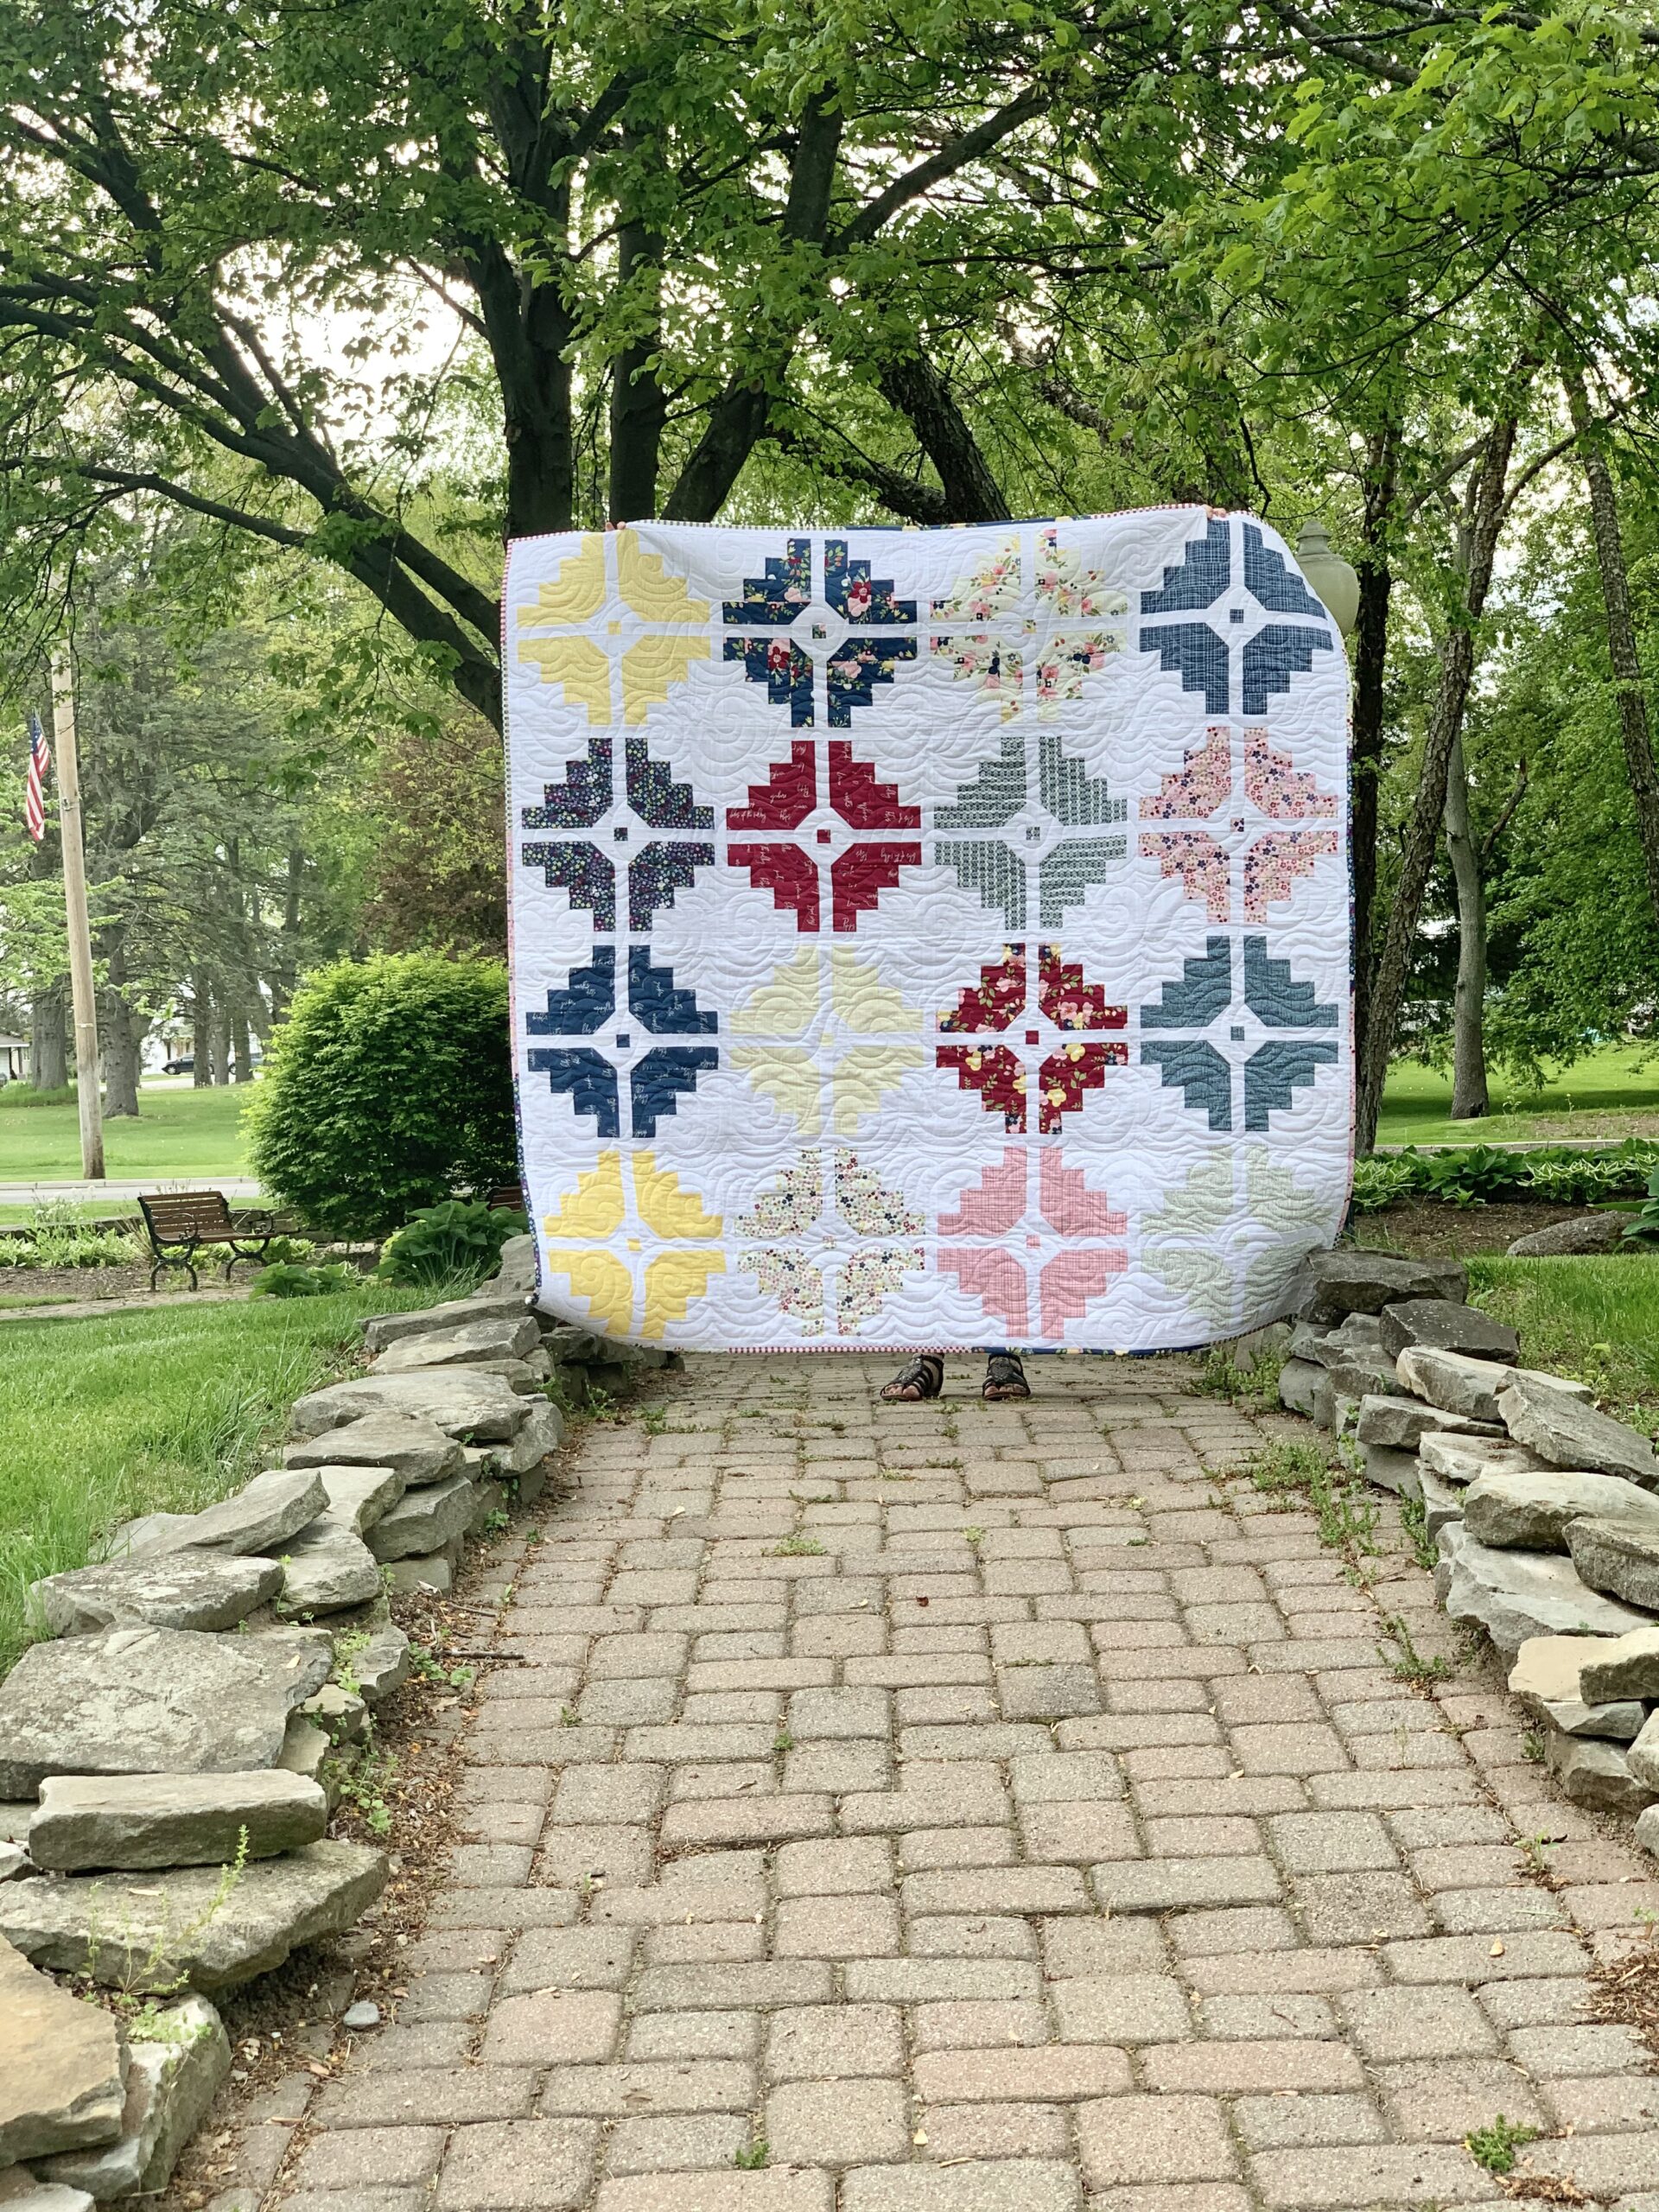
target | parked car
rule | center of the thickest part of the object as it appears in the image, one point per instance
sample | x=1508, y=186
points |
x=186, y=1066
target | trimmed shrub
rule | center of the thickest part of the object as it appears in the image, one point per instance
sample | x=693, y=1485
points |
x=388, y=1088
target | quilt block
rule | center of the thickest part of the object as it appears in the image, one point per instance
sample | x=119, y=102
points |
x=927, y=938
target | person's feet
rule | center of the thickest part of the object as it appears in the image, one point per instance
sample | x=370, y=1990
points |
x=923, y=1378
x=918, y=1378
x=1004, y=1378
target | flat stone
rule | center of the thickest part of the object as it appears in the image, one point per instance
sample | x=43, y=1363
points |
x=1463, y=1458
x=542, y=1433
x=527, y=1376
x=517, y=1268
x=149, y=1534
x=1584, y=1234
x=425, y=1519
x=187, y=1589
x=1442, y=1500
x=1618, y=1553
x=1329, y=1285
x=358, y=1496
x=1361, y=1374
x=433, y=1571
x=563, y=1340
x=1358, y=1338
x=1305, y=1388
x=14, y=1861
x=148, y=1933
x=361, y=2017
x=174, y=2070
x=134, y=1820
x=148, y=1700
x=21, y=2192
x=502, y=1338
x=1401, y=1424
x=305, y=1752
x=1550, y=1667
x=341, y=1714
x=1561, y=1426
x=1627, y=1666
x=62, y=2067
x=1453, y=1381
x=417, y=1449
x=1596, y=1774
x=1444, y=1325
x=1546, y=1678
x=260, y=1518
x=1516, y=1595
x=1620, y=1722
x=1644, y=1755
x=327, y=1567
x=383, y=1330
x=1308, y=1341
x=379, y=1666
x=1532, y=1508
x=489, y=1499
x=1399, y=1472
x=480, y=1407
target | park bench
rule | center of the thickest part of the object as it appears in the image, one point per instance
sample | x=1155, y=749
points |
x=180, y=1222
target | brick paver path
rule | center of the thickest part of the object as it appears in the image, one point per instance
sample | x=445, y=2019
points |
x=991, y=1809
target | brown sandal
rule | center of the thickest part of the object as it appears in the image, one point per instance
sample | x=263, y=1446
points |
x=918, y=1379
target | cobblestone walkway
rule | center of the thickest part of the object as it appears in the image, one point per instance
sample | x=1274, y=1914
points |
x=986, y=1809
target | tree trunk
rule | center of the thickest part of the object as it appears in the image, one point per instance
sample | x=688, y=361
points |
x=243, y=1037
x=1469, y=1099
x=917, y=389
x=1371, y=671
x=1482, y=518
x=122, y=1037
x=201, y=1029
x=638, y=403
x=219, y=1056
x=1621, y=634
x=48, y=1050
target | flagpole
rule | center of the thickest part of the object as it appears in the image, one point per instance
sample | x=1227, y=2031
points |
x=74, y=900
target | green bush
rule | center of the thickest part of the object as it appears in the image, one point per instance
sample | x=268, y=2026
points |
x=388, y=1088
x=61, y=1237
x=452, y=1243
x=17, y=1097
x=1482, y=1174
x=284, y=1279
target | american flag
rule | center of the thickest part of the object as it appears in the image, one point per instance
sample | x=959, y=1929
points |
x=40, y=760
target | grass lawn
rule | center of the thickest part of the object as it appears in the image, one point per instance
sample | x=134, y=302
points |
x=1594, y=1319
x=1613, y=1093
x=179, y=1133
x=103, y=1419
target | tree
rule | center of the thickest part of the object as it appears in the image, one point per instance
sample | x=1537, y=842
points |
x=654, y=241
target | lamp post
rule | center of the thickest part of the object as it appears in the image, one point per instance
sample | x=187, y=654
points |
x=1335, y=580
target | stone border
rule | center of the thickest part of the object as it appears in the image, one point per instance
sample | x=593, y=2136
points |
x=171, y=1757
x=1543, y=1509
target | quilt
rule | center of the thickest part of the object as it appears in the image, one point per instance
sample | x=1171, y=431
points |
x=927, y=937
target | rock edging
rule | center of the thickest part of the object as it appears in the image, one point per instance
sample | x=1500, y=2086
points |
x=170, y=1758
x=1544, y=1510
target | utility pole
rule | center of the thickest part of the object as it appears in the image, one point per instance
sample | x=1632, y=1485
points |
x=74, y=900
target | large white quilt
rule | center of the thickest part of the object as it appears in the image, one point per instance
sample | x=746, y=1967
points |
x=927, y=937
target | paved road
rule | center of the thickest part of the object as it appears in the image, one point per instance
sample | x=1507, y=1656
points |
x=994, y=1811
x=124, y=1191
